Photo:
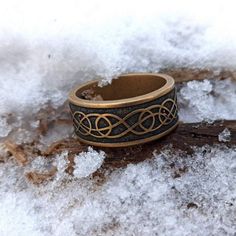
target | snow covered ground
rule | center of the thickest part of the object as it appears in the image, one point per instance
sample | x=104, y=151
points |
x=142, y=199
x=49, y=46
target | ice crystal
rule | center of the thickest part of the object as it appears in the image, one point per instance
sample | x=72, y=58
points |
x=205, y=100
x=88, y=162
x=5, y=128
x=225, y=135
x=61, y=163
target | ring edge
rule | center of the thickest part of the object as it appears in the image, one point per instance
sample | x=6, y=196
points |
x=123, y=102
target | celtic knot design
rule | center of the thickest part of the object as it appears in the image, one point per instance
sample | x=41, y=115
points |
x=148, y=119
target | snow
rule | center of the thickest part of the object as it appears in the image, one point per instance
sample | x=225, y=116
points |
x=141, y=199
x=4, y=127
x=47, y=47
x=207, y=100
x=15, y=218
x=224, y=136
x=88, y=162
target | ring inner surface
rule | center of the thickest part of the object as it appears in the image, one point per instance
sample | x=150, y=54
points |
x=125, y=87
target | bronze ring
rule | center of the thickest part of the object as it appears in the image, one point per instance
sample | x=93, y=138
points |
x=133, y=109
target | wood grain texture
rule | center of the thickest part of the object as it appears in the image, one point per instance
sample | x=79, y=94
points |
x=184, y=138
x=185, y=74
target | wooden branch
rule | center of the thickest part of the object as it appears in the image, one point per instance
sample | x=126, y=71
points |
x=183, y=138
x=186, y=74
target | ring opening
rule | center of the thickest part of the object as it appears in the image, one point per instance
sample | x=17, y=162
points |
x=123, y=87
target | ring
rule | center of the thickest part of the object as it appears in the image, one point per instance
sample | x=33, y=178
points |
x=133, y=109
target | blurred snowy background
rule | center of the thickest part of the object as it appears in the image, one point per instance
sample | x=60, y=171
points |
x=47, y=47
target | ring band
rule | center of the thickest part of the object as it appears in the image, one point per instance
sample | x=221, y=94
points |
x=133, y=109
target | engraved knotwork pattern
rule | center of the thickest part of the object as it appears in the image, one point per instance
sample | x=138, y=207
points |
x=112, y=126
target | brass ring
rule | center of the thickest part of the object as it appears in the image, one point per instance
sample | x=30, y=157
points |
x=133, y=109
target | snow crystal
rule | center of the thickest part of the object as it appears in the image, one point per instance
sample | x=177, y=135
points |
x=5, y=128
x=206, y=100
x=15, y=217
x=88, y=162
x=225, y=135
x=39, y=163
x=61, y=163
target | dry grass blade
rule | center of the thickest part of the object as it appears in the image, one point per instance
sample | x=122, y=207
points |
x=17, y=151
x=38, y=178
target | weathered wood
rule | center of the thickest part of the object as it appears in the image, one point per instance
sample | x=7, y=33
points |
x=186, y=74
x=183, y=138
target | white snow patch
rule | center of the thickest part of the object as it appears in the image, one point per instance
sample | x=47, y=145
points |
x=16, y=215
x=141, y=199
x=61, y=163
x=225, y=135
x=207, y=100
x=88, y=162
x=5, y=128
